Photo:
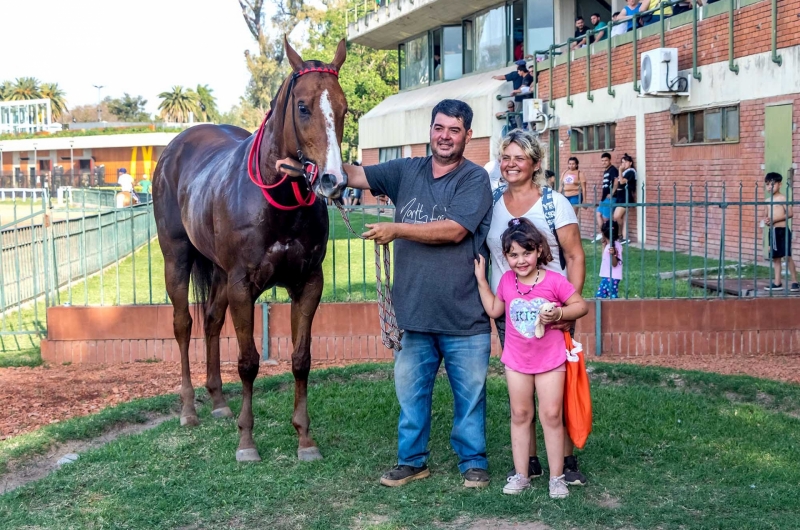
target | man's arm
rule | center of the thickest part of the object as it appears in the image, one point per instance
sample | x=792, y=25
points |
x=499, y=77
x=600, y=34
x=433, y=233
x=356, y=176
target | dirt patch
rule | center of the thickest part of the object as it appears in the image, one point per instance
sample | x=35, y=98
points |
x=34, y=397
x=495, y=524
x=40, y=466
x=367, y=521
x=777, y=367
x=609, y=502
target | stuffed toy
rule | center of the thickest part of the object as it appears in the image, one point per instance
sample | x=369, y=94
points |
x=547, y=307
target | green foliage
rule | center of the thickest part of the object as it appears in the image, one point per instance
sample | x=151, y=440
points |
x=207, y=104
x=368, y=76
x=129, y=108
x=243, y=115
x=92, y=132
x=670, y=449
x=25, y=88
x=57, y=97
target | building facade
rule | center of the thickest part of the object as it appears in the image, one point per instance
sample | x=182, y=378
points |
x=728, y=115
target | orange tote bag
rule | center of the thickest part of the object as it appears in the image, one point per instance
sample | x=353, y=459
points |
x=577, y=395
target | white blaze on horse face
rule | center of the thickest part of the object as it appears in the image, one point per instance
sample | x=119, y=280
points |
x=333, y=157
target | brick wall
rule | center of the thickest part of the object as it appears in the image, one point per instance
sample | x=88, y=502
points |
x=351, y=331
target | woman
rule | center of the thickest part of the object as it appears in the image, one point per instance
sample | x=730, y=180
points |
x=573, y=185
x=624, y=192
x=521, y=168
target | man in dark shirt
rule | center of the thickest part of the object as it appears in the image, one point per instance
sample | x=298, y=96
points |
x=580, y=31
x=519, y=78
x=442, y=216
x=604, y=209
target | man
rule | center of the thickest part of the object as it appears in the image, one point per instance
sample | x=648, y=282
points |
x=601, y=31
x=606, y=205
x=145, y=184
x=521, y=77
x=774, y=215
x=619, y=29
x=125, y=181
x=513, y=119
x=580, y=31
x=443, y=212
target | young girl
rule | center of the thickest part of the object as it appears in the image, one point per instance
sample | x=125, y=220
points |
x=611, y=265
x=532, y=363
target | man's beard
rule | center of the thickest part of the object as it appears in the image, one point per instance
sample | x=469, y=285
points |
x=456, y=154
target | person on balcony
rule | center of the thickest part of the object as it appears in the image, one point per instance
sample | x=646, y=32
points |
x=512, y=117
x=519, y=78
x=600, y=28
x=580, y=31
x=618, y=29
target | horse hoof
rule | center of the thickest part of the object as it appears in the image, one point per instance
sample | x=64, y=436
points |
x=309, y=454
x=247, y=455
x=224, y=412
x=190, y=421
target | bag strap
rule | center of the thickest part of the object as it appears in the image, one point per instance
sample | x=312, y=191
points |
x=497, y=193
x=549, y=207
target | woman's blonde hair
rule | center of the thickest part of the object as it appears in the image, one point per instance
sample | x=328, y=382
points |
x=531, y=146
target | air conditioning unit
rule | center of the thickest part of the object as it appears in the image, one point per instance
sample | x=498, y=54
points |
x=659, y=73
x=533, y=110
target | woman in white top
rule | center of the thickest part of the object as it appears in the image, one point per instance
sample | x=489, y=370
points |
x=521, y=167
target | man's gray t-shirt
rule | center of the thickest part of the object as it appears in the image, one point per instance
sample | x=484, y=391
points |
x=435, y=290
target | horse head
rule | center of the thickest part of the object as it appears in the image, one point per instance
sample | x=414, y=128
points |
x=315, y=123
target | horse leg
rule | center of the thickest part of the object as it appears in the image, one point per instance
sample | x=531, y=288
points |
x=214, y=319
x=177, y=267
x=241, y=301
x=305, y=300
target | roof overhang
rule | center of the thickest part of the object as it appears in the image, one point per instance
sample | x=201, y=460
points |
x=89, y=142
x=397, y=21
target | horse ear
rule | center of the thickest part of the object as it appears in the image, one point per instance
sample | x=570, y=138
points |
x=341, y=55
x=294, y=58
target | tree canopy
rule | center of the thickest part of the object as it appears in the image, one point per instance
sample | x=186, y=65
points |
x=128, y=108
x=26, y=88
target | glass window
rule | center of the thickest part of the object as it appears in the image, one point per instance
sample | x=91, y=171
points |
x=436, y=52
x=417, y=62
x=540, y=26
x=389, y=153
x=401, y=59
x=490, y=37
x=683, y=129
x=598, y=137
x=697, y=124
x=469, y=47
x=612, y=136
x=453, y=56
x=732, y=123
x=601, y=136
x=517, y=25
x=713, y=125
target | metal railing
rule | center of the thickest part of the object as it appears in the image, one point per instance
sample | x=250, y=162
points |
x=636, y=30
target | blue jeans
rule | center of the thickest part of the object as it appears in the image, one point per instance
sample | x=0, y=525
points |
x=466, y=359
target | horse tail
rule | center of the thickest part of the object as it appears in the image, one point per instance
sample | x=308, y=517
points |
x=202, y=277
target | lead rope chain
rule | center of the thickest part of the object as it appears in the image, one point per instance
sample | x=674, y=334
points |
x=391, y=334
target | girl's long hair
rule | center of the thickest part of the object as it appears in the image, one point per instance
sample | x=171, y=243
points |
x=531, y=147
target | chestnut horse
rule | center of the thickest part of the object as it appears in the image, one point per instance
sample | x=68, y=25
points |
x=215, y=225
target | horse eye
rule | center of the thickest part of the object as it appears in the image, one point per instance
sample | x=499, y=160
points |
x=303, y=109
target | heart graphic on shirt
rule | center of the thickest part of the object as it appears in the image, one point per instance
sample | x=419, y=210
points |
x=523, y=313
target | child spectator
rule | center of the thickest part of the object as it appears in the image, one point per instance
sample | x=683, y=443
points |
x=611, y=264
x=532, y=363
x=775, y=215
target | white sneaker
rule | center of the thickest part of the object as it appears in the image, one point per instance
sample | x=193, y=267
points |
x=598, y=237
x=558, y=488
x=516, y=484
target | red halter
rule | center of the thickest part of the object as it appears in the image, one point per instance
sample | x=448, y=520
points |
x=310, y=169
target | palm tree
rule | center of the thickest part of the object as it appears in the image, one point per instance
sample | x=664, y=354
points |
x=5, y=90
x=207, y=103
x=177, y=104
x=25, y=88
x=58, y=102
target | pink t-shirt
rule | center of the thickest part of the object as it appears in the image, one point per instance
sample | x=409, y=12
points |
x=605, y=264
x=523, y=352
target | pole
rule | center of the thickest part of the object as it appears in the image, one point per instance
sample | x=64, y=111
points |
x=35, y=166
x=71, y=164
x=99, y=111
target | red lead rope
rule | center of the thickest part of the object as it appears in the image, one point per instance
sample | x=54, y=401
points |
x=253, y=160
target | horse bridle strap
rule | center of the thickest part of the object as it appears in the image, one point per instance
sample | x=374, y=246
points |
x=310, y=170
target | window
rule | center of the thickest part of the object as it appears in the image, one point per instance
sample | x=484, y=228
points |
x=540, y=26
x=436, y=53
x=490, y=37
x=716, y=125
x=389, y=153
x=428, y=151
x=401, y=60
x=598, y=137
x=469, y=46
x=453, y=56
x=414, y=57
x=517, y=24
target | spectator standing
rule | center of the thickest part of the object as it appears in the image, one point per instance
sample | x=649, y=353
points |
x=775, y=215
x=600, y=28
x=618, y=29
x=632, y=7
x=512, y=117
x=550, y=178
x=611, y=263
x=145, y=184
x=519, y=78
x=580, y=31
x=573, y=185
x=624, y=193
x=604, y=209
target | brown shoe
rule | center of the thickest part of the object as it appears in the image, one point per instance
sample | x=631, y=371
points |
x=476, y=477
x=402, y=475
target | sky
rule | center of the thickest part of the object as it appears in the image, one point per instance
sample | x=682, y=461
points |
x=142, y=47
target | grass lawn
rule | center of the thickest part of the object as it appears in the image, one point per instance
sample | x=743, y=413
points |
x=670, y=449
